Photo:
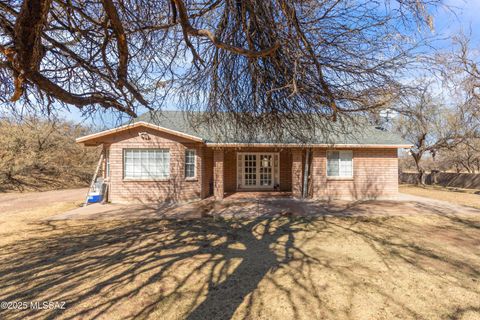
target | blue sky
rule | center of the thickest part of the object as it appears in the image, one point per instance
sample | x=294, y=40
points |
x=464, y=18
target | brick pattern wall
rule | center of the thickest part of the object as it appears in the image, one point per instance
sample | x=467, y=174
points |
x=230, y=167
x=375, y=174
x=218, y=174
x=375, y=171
x=176, y=188
x=207, y=172
x=297, y=173
x=286, y=170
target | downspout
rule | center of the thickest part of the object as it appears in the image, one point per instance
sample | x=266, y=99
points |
x=305, y=174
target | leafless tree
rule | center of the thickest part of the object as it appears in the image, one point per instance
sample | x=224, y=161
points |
x=431, y=125
x=465, y=67
x=464, y=157
x=261, y=60
x=41, y=154
x=460, y=73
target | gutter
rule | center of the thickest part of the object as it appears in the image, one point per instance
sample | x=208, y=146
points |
x=303, y=145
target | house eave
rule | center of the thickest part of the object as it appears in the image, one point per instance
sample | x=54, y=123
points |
x=92, y=139
x=307, y=145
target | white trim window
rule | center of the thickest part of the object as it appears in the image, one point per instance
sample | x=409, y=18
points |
x=258, y=170
x=146, y=164
x=340, y=163
x=190, y=163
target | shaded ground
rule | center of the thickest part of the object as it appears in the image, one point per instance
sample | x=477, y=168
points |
x=38, y=181
x=465, y=197
x=367, y=260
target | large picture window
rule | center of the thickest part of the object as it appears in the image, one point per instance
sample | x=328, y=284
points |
x=339, y=163
x=190, y=163
x=146, y=164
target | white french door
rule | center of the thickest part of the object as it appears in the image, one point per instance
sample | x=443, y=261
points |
x=258, y=170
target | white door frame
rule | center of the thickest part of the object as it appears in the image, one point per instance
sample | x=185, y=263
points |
x=240, y=161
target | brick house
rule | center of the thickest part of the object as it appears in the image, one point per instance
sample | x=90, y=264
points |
x=164, y=158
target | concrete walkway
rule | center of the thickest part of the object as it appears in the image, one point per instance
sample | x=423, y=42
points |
x=251, y=208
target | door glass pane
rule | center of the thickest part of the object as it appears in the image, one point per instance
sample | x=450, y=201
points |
x=250, y=169
x=265, y=170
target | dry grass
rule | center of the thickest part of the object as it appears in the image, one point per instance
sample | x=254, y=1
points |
x=465, y=197
x=20, y=212
x=423, y=265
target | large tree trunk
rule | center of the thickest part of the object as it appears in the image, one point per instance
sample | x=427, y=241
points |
x=421, y=172
x=433, y=177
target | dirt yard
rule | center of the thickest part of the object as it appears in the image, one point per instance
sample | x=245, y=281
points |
x=364, y=260
x=19, y=212
x=465, y=197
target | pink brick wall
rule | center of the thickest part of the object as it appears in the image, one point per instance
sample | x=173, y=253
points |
x=207, y=172
x=374, y=171
x=297, y=172
x=218, y=174
x=176, y=188
x=375, y=174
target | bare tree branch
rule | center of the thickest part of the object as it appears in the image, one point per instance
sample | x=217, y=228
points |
x=261, y=62
x=121, y=41
x=188, y=29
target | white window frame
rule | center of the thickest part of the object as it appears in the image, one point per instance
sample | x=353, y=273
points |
x=194, y=164
x=340, y=176
x=240, y=170
x=147, y=177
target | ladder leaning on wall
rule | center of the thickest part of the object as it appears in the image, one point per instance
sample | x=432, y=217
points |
x=94, y=178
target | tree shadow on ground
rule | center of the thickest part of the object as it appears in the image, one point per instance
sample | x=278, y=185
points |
x=215, y=268
x=53, y=266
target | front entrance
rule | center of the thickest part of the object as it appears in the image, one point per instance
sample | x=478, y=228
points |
x=258, y=170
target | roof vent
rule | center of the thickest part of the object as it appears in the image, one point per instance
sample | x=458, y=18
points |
x=144, y=135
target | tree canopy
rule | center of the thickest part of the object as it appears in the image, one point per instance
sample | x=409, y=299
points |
x=265, y=59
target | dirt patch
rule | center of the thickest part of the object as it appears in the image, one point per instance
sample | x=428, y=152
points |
x=359, y=261
x=21, y=202
x=20, y=211
x=464, y=197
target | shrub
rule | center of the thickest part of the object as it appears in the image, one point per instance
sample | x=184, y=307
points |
x=40, y=154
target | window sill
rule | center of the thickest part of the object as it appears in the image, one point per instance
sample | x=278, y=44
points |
x=191, y=179
x=340, y=178
x=145, y=180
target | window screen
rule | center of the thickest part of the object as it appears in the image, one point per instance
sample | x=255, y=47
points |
x=147, y=163
x=190, y=163
x=339, y=163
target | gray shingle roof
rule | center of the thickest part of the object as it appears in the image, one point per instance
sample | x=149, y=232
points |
x=327, y=132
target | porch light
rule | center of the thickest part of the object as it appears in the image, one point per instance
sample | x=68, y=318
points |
x=265, y=162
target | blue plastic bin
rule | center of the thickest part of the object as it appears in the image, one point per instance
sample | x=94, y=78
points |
x=94, y=198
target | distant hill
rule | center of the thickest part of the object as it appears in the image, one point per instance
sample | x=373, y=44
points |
x=39, y=154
